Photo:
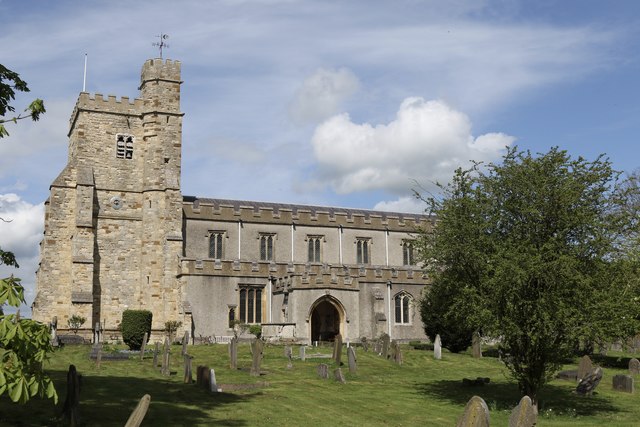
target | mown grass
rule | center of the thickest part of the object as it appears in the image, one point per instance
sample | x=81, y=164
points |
x=422, y=391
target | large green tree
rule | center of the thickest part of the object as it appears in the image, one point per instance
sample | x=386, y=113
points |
x=24, y=343
x=534, y=251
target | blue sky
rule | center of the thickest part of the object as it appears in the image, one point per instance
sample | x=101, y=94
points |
x=327, y=102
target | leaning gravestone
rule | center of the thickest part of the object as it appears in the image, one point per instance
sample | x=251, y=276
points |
x=476, y=414
x=584, y=367
x=71, y=403
x=589, y=383
x=385, y=346
x=188, y=375
x=396, y=352
x=623, y=383
x=337, y=350
x=337, y=374
x=256, y=350
x=437, y=348
x=233, y=353
x=137, y=416
x=303, y=353
x=351, y=355
x=476, y=345
x=166, y=358
x=523, y=415
x=144, y=345
x=185, y=341
x=323, y=371
x=634, y=366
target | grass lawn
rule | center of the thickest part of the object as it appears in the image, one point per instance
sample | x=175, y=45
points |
x=422, y=391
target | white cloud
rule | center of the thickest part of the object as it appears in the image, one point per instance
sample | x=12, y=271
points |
x=322, y=94
x=21, y=236
x=402, y=204
x=424, y=144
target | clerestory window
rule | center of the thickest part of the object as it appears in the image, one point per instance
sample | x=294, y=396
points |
x=407, y=253
x=267, y=244
x=314, y=244
x=363, y=248
x=215, y=244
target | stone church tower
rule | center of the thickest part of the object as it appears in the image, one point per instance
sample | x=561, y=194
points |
x=113, y=221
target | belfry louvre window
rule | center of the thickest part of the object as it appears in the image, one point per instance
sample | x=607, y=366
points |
x=267, y=243
x=124, y=146
x=402, y=302
x=250, y=304
x=363, y=247
x=314, y=243
x=215, y=244
x=407, y=253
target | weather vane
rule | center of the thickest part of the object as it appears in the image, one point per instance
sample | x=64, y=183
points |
x=162, y=43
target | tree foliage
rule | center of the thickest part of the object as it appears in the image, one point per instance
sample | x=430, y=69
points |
x=135, y=323
x=24, y=345
x=535, y=251
x=10, y=82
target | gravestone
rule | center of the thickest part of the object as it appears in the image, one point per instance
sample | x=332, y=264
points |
x=287, y=351
x=585, y=367
x=323, y=371
x=634, y=366
x=623, y=383
x=437, y=348
x=206, y=378
x=365, y=344
x=54, y=331
x=233, y=353
x=476, y=414
x=351, y=355
x=96, y=333
x=377, y=347
x=337, y=374
x=138, y=414
x=385, y=346
x=303, y=353
x=588, y=384
x=188, y=375
x=213, y=385
x=290, y=362
x=185, y=341
x=523, y=415
x=396, y=352
x=337, y=350
x=166, y=358
x=156, y=350
x=72, y=401
x=199, y=375
x=476, y=345
x=256, y=350
x=144, y=345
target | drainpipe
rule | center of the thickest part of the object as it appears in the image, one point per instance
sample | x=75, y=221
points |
x=293, y=228
x=239, y=235
x=386, y=246
x=270, y=299
x=340, y=243
x=389, y=308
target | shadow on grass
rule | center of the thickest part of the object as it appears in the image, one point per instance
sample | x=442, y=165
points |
x=109, y=400
x=505, y=396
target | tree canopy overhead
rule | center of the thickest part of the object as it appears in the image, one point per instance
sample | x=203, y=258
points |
x=10, y=82
x=534, y=251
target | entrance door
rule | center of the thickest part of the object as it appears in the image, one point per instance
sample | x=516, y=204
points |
x=325, y=322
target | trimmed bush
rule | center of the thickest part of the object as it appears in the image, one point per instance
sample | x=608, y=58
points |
x=134, y=324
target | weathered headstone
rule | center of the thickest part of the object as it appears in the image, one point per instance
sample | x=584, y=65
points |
x=323, y=371
x=138, y=414
x=206, y=378
x=72, y=401
x=185, y=341
x=54, y=331
x=199, y=375
x=476, y=414
x=188, y=375
x=523, y=415
x=437, y=348
x=623, y=383
x=256, y=349
x=585, y=367
x=337, y=374
x=351, y=355
x=337, y=350
x=156, y=350
x=588, y=384
x=634, y=366
x=144, y=345
x=303, y=353
x=233, y=353
x=396, y=352
x=96, y=333
x=365, y=344
x=476, y=345
x=385, y=346
x=166, y=358
x=213, y=385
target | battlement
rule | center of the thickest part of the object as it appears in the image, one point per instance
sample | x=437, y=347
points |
x=160, y=69
x=111, y=104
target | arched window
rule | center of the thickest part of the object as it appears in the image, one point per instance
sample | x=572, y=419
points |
x=403, y=308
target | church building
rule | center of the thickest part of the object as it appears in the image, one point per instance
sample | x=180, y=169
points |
x=120, y=235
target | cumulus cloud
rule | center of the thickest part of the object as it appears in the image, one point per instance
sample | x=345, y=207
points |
x=322, y=94
x=425, y=142
x=402, y=204
x=21, y=236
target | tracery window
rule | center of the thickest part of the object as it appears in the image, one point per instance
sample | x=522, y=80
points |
x=314, y=244
x=124, y=146
x=215, y=244
x=363, y=247
x=250, y=304
x=403, y=308
x=267, y=244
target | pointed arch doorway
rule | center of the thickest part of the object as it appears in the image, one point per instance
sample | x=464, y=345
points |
x=327, y=317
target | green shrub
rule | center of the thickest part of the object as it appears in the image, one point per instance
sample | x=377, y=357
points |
x=133, y=327
x=256, y=330
x=171, y=327
x=75, y=322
